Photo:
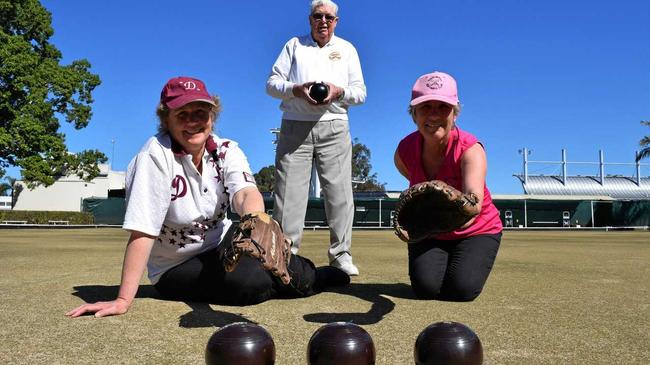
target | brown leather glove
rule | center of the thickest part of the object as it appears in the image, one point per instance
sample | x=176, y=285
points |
x=432, y=207
x=260, y=236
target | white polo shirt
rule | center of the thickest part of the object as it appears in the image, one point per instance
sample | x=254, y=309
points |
x=302, y=60
x=167, y=197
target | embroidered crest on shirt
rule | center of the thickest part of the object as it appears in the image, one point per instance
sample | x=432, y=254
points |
x=335, y=56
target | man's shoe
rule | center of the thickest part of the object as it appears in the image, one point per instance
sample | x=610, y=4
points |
x=328, y=276
x=346, y=266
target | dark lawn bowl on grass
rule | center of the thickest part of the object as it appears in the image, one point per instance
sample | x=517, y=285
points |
x=341, y=343
x=240, y=343
x=448, y=343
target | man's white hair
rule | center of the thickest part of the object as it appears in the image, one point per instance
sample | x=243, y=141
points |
x=330, y=3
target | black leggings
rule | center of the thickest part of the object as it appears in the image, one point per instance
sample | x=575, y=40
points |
x=203, y=279
x=452, y=270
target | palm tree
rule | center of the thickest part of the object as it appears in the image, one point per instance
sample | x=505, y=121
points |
x=645, y=143
x=5, y=189
x=12, y=186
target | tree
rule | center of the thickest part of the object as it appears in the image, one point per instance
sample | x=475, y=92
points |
x=645, y=143
x=5, y=189
x=361, y=168
x=35, y=91
x=265, y=178
x=12, y=187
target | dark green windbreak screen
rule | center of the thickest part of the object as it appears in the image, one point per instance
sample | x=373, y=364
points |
x=106, y=210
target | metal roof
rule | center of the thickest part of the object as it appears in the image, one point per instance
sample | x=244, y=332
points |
x=496, y=197
x=617, y=187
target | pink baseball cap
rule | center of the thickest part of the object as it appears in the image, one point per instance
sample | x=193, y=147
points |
x=183, y=90
x=434, y=86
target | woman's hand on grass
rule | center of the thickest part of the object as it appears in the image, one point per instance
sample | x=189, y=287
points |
x=101, y=309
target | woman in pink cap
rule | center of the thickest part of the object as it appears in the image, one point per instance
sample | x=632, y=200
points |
x=179, y=187
x=451, y=266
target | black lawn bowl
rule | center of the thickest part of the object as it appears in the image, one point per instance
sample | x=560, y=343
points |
x=319, y=91
x=240, y=343
x=448, y=343
x=341, y=343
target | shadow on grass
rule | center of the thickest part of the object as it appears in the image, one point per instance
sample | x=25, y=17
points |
x=102, y=293
x=377, y=294
x=202, y=315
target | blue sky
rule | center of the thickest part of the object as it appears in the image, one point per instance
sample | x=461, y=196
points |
x=542, y=75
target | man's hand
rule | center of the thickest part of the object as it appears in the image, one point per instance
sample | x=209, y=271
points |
x=334, y=94
x=302, y=91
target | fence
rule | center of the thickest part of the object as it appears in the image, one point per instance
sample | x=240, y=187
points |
x=378, y=212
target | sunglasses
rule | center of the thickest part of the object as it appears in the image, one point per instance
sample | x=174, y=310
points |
x=319, y=16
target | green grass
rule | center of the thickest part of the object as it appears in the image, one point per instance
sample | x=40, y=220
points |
x=553, y=298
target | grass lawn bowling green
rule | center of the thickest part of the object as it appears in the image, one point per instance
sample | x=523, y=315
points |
x=554, y=297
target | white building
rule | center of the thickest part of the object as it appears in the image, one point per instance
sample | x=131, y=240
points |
x=5, y=203
x=68, y=193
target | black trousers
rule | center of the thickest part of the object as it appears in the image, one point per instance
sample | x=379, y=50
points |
x=204, y=279
x=452, y=270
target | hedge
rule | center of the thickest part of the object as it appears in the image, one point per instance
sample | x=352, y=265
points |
x=44, y=217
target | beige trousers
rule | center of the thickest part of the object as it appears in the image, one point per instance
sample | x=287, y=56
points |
x=329, y=146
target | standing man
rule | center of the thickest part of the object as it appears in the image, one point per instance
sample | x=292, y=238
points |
x=318, y=133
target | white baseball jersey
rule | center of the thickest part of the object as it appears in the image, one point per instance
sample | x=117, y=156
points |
x=167, y=197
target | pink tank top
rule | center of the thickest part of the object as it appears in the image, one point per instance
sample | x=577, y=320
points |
x=410, y=151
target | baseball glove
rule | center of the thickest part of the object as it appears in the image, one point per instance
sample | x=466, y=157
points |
x=432, y=207
x=260, y=236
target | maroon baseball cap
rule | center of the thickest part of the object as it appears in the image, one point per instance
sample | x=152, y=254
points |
x=183, y=90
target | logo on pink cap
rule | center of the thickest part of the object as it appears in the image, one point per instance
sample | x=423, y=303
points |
x=183, y=90
x=434, y=82
x=434, y=86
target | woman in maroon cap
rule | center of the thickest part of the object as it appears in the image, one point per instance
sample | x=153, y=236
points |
x=451, y=266
x=179, y=187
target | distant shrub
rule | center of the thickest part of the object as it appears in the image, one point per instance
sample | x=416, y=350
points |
x=44, y=217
